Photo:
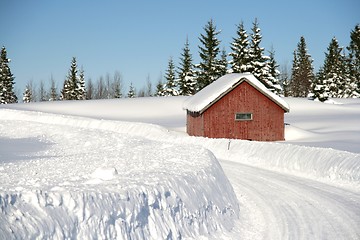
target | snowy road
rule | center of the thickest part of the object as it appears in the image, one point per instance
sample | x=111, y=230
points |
x=278, y=206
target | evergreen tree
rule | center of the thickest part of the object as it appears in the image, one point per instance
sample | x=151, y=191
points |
x=117, y=85
x=80, y=86
x=186, y=73
x=354, y=58
x=208, y=70
x=274, y=74
x=27, y=95
x=65, y=92
x=74, y=84
x=258, y=62
x=302, y=74
x=320, y=90
x=335, y=73
x=170, y=85
x=70, y=83
x=132, y=91
x=285, y=80
x=223, y=63
x=159, y=92
x=7, y=94
x=240, y=51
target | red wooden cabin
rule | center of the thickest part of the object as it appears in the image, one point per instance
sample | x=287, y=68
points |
x=236, y=106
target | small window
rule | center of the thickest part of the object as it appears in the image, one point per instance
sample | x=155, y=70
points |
x=243, y=116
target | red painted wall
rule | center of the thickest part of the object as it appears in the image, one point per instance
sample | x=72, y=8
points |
x=218, y=121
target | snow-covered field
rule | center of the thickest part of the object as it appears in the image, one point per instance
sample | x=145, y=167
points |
x=126, y=169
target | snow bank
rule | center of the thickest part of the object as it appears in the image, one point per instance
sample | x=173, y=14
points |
x=87, y=180
x=324, y=164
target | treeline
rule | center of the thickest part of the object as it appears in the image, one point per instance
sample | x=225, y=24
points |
x=339, y=76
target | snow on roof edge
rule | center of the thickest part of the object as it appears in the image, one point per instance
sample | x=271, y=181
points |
x=213, y=92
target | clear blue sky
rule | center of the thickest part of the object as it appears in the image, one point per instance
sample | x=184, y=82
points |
x=137, y=37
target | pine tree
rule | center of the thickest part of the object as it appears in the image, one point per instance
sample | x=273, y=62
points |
x=223, y=63
x=7, y=94
x=274, y=74
x=208, y=70
x=132, y=91
x=27, y=95
x=302, y=74
x=117, y=85
x=159, y=92
x=74, y=85
x=258, y=62
x=334, y=71
x=354, y=59
x=80, y=86
x=170, y=85
x=70, y=83
x=285, y=80
x=240, y=51
x=320, y=90
x=186, y=73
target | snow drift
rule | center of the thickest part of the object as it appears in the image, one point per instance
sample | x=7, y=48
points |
x=88, y=180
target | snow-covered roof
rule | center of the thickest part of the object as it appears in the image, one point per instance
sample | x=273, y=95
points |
x=216, y=90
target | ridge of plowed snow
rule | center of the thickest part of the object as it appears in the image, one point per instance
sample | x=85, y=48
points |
x=92, y=181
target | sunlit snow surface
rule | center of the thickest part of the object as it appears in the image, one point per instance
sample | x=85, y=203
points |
x=88, y=180
x=91, y=176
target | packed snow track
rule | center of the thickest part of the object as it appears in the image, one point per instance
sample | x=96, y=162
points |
x=280, y=206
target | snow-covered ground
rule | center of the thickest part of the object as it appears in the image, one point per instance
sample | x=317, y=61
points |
x=72, y=169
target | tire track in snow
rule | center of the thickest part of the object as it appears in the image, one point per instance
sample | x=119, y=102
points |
x=279, y=206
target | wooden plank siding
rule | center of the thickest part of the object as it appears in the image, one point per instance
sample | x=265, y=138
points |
x=218, y=121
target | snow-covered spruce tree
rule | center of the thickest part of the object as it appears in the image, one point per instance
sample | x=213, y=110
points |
x=132, y=91
x=80, y=86
x=223, y=63
x=7, y=94
x=274, y=74
x=117, y=85
x=208, y=70
x=320, y=90
x=70, y=84
x=240, y=51
x=159, y=91
x=74, y=84
x=354, y=58
x=302, y=74
x=334, y=71
x=186, y=82
x=258, y=62
x=27, y=95
x=170, y=85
